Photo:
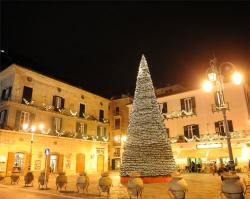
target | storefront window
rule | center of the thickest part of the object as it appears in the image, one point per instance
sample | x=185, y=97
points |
x=18, y=161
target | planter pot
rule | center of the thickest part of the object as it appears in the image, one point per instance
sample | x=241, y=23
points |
x=232, y=188
x=2, y=175
x=15, y=176
x=82, y=182
x=61, y=181
x=105, y=182
x=28, y=179
x=41, y=180
x=178, y=187
x=135, y=186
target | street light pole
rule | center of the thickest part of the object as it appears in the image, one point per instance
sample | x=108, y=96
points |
x=215, y=75
x=31, y=145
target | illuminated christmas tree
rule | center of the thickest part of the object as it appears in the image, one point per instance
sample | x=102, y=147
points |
x=147, y=149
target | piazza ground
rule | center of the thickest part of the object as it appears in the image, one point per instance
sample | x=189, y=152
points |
x=200, y=186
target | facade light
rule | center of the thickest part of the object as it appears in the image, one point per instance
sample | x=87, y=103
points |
x=33, y=128
x=41, y=127
x=25, y=126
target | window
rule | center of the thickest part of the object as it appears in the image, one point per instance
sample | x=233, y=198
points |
x=3, y=118
x=220, y=128
x=101, y=115
x=101, y=131
x=163, y=107
x=117, y=110
x=57, y=123
x=117, y=152
x=24, y=118
x=117, y=123
x=58, y=102
x=167, y=132
x=6, y=93
x=81, y=129
x=82, y=110
x=188, y=104
x=191, y=130
x=27, y=94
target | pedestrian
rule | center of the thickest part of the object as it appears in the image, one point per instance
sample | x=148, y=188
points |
x=214, y=168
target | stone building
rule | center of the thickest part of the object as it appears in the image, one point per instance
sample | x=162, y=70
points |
x=84, y=131
x=38, y=112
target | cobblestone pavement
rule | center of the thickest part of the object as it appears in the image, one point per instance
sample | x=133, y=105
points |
x=200, y=186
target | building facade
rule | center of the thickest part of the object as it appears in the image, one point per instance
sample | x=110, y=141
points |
x=86, y=132
x=38, y=112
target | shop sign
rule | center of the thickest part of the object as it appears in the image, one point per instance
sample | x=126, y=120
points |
x=209, y=146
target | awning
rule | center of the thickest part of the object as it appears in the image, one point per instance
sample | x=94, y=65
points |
x=193, y=153
x=222, y=153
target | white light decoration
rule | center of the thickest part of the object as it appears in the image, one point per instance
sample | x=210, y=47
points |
x=117, y=138
x=146, y=150
x=25, y=126
x=41, y=127
x=124, y=138
x=207, y=86
x=212, y=76
x=33, y=128
x=209, y=146
x=237, y=78
x=73, y=113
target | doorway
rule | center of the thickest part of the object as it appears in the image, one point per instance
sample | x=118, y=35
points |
x=194, y=164
x=100, y=163
x=53, y=163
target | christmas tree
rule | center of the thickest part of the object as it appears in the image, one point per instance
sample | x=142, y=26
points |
x=147, y=149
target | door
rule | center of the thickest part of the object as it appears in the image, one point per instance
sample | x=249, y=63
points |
x=80, y=163
x=60, y=163
x=53, y=162
x=100, y=163
x=10, y=163
x=27, y=163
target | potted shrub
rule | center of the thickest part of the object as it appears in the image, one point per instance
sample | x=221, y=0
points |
x=28, y=179
x=105, y=183
x=178, y=186
x=15, y=175
x=61, y=181
x=135, y=185
x=82, y=182
x=41, y=180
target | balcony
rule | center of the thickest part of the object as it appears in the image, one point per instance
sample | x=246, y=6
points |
x=178, y=114
x=210, y=137
x=216, y=108
x=49, y=108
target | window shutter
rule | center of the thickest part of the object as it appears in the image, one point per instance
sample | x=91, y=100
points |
x=3, y=94
x=230, y=126
x=9, y=95
x=17, y=121
x=85, y=129
x=80, y=163
x=77, y=127
x=3, y=122
x=32, y=118
x=186, y=131
x=60, y=124
x=182, y=104
x=10, y=163
x=53, y=126
x=82, y=110
x=165, y=107
x=98, y=131
x=104, y=131
x=27, y=159
x=217, y=127
x=60, y=163
x=54, y=101
x=196, y=131
x=62, y=102
x=193, y=104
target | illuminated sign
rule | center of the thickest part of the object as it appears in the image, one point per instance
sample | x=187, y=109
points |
x=209, y=146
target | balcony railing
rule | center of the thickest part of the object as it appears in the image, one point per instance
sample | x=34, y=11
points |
x=63, y=111
x=210, y=137
x=177, y=114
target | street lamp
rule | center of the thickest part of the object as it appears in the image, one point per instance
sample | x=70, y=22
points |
x=33, y=129
x=215, y=81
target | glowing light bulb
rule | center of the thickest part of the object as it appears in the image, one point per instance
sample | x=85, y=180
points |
x=207, y=86
x=41, y=127
x=237, y=78
x=33, y=128
x=25, y=126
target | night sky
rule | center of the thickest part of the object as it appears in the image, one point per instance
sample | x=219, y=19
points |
x=98, y=45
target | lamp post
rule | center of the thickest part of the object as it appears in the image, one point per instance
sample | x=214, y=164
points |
x=33, y=130
x=215, y=80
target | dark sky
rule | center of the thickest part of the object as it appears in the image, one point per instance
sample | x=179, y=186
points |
x=98, y=45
